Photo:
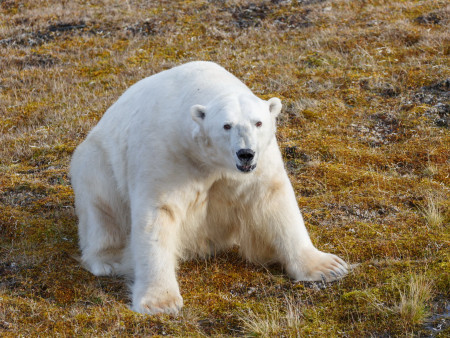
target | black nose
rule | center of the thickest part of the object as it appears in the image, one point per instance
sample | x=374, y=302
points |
x=245, y=155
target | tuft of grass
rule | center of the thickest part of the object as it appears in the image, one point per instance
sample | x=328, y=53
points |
x=414, y=299
x=293, y=317
x=430, y=170
x=262, y=324
x=432, y=212
x=275, y=319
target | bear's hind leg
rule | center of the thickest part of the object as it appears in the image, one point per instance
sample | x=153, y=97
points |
x=101, y=240
x=103, y=217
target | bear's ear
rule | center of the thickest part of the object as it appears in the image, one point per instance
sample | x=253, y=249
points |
x=198, y=113
x=274, y=106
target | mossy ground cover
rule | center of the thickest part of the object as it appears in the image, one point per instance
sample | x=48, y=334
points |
x=364, y=134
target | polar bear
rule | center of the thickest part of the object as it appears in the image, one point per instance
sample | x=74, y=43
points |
x=186, y=163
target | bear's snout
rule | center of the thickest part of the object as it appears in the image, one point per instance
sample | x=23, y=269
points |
x=245, y=155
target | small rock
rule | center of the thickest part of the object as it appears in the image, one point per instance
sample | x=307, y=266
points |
x=443, y=109
x=441, y=122
x=429, y=18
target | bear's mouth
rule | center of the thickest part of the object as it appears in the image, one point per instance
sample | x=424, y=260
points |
x=246, y=168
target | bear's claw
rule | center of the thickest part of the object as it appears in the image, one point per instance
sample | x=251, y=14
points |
x=319, y=266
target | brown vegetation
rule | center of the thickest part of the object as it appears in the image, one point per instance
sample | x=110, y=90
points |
x=364, y=132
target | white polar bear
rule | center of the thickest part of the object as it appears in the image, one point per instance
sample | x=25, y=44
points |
x=186, y=163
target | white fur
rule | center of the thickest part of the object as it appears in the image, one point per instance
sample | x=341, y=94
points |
x=157, y=180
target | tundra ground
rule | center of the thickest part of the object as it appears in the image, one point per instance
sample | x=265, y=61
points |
x=364, y=133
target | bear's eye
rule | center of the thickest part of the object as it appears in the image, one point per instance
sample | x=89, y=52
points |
x=227, y=126
x=258, y=124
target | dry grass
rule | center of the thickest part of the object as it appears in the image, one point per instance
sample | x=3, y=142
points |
x=267, y=324
x=414, y=299
x=433, y=212
x=364, y=133
x=276, y=319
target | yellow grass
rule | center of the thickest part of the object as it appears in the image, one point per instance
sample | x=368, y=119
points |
x=414, y=300
x=433, y=212
x=275, y=319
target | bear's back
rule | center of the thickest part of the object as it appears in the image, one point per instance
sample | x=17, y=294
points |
x=201, y=81
x=166, y=97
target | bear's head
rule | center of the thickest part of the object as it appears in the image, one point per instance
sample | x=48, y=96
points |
x=234, y=130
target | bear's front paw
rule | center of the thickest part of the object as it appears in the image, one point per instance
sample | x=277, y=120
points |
x=320, y=266
x=159, y=301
